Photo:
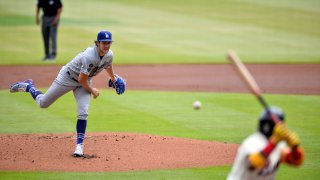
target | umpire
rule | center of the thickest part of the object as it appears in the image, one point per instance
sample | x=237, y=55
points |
x=51, y=15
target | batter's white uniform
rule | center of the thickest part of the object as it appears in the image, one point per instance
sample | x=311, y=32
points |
x=88, y=62
x=255, y=143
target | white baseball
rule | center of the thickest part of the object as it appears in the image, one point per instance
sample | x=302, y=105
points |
x=197, y=105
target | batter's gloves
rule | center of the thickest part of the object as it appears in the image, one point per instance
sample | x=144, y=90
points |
x=119, y=85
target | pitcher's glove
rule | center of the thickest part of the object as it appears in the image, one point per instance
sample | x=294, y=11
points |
x=119, y=84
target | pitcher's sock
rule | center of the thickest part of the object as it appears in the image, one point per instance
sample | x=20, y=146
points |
x=81, y=130
x=33, y=91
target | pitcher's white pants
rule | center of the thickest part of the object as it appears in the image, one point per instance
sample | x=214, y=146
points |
x=56, y=90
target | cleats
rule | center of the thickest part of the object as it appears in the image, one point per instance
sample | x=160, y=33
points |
x=21, y=86
x=78, y=151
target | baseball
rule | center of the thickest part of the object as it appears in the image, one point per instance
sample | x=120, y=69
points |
x=196, y=105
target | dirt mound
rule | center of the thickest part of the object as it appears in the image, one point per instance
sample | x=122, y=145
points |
x=107, y=152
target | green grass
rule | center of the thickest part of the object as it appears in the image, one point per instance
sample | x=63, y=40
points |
x=224, y=117
x=189, y=31
x=181, y=174
x=218, y=173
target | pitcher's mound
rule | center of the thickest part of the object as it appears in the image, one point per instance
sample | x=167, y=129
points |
x=110, y=152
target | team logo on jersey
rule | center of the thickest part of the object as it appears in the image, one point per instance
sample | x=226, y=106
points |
x=90, y=67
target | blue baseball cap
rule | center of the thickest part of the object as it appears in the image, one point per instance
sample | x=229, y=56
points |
x=104, y=36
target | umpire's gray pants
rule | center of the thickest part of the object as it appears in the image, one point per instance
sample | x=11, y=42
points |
x=56, y=90
x=49, y=34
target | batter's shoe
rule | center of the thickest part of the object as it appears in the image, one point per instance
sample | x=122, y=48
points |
x=79, y=151
x=21, y=86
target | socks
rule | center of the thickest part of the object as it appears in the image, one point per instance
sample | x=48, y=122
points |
x=81, y=130
x=33, y=91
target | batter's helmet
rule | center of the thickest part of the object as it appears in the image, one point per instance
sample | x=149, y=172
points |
x=104, y=36
x=266, y=123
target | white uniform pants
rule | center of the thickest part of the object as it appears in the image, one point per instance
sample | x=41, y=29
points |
x=56, y=90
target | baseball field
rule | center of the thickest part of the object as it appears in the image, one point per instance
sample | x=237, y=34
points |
x=152, y=131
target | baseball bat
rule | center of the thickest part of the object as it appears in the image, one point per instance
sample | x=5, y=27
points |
x=250, y=82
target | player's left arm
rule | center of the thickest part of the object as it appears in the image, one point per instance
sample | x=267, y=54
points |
x=116, y=81
x=109, y=70
x=294, y=154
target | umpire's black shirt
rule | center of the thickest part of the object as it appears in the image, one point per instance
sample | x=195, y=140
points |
x=49, y=7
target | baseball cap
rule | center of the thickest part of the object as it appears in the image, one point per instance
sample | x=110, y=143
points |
x=104, y=36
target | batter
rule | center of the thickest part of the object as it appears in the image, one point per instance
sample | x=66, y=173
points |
x=77, y=76
x=260, y=155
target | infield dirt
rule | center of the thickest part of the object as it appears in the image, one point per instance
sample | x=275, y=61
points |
x=110, y=152
x=272, y=78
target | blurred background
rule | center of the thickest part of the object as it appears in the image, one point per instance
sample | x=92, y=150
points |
x=179, y=31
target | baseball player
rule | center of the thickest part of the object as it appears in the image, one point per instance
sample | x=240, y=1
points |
x=260, y=155
x=77, y=76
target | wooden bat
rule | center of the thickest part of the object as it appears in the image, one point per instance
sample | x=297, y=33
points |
x=250, y=82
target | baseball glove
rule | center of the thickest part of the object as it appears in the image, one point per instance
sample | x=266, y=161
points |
x=119, y=85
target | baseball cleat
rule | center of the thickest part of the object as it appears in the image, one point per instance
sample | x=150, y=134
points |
x=21, y=86
x=30, y=81
x=79, y=151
